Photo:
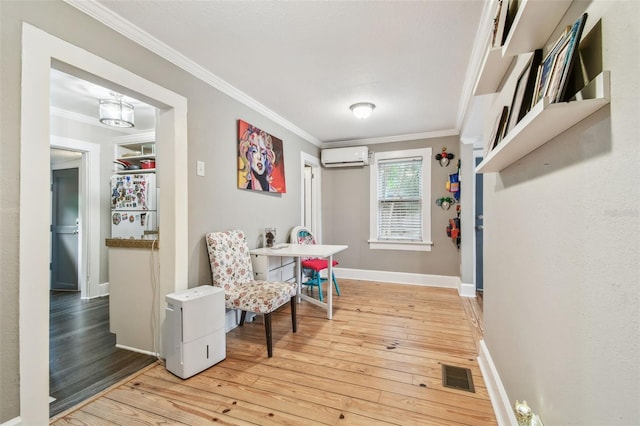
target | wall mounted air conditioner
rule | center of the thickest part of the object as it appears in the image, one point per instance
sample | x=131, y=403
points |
x=345, y=157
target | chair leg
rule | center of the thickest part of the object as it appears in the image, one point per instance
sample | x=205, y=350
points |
x=335, y=283
x=318, y=281
x=294, y=320
x=243, y=315
x=267, y=329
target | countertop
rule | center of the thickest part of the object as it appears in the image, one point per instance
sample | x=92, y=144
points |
x=132, y=243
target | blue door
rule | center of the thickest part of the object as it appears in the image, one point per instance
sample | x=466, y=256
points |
x=479, y=230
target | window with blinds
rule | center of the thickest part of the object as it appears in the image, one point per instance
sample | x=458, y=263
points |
x=400, y=196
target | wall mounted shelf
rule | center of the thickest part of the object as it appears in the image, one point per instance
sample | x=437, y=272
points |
x=135, y=153
x=493, y=69
x=533, y=25
x=544, y=122
x=531, y=28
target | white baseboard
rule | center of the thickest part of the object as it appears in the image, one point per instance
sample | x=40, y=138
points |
x=467, y=290
x=398, y=277
x=497, y=394
x=103, y=289
x=13, y=422
x=230, y=320
x=137, y=350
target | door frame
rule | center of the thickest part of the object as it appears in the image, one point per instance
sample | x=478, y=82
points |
x=316, y=193
x=40, y=52
x=89, y=212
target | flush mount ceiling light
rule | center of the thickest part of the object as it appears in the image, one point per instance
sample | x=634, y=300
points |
x=362, y=109
x=114, y=112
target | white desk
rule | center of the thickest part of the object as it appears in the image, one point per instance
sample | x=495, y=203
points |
x=311, y=250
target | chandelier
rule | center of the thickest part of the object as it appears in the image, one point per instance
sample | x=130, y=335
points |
x=114, y=112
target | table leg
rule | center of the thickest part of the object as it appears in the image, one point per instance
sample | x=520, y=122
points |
x=299, y=277
x=330, y=289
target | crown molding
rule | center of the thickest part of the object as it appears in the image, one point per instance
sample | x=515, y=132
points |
x=93, y=121
x=69, y=115
x=137, y=35
x=475, y=141
x=141, y=137
x=386, y=139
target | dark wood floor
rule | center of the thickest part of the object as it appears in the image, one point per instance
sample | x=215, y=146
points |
x=83, y=359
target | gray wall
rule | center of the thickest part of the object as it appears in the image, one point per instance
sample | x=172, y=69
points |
x=562, y=253
x=345, y=212
x=214, y=201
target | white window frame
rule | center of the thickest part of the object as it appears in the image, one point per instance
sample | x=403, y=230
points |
x=426, y=243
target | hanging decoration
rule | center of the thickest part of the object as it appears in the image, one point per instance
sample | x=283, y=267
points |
x=445, y=202
x=453, y=228
x=453, y=185
x=444, y=157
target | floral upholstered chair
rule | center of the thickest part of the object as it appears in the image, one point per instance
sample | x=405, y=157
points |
x=302, y=235
x=231, y=270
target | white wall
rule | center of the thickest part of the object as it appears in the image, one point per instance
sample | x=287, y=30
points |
x=562, y=253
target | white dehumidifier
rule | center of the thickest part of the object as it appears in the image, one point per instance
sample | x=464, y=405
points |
x=195, y=338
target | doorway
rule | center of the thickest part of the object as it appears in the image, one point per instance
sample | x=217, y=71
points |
x=39, y=51
x=65, y=229
x=69, y=153
x=311, y=194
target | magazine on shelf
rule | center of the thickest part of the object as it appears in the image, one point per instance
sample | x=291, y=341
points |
x=570, y=60
x=554, y=73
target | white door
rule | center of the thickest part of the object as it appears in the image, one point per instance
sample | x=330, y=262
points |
x=311, y=200
x=308, y=198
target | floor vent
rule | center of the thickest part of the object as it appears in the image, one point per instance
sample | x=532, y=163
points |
x=457, y=378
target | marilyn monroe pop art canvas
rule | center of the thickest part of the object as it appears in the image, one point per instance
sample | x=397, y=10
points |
x=260, y=160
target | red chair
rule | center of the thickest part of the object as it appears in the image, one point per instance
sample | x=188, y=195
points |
x=302, y=235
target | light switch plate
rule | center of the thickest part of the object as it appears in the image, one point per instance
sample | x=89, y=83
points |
x=200, y=168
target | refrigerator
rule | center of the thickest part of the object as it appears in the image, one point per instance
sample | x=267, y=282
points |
x=134, y=206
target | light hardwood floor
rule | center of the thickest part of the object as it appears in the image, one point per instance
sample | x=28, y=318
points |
x=378, y=361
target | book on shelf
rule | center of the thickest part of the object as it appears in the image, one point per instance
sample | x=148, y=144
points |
x=498, y=130
x=554, y=73
x=545, y=68
x=512, y=11
x=521, y=103
x=570, y=59
x=499, y=21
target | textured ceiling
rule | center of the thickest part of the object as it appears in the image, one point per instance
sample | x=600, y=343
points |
x=307, y=61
